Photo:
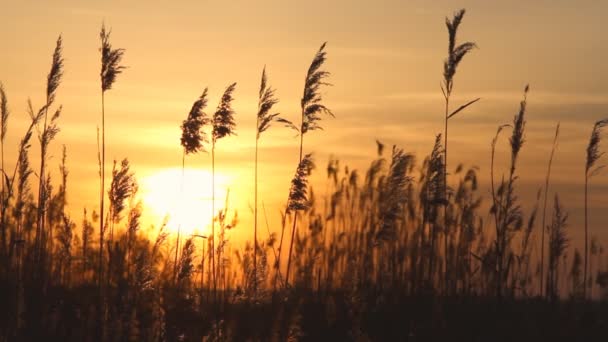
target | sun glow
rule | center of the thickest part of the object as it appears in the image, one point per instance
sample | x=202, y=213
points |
x=185, y=199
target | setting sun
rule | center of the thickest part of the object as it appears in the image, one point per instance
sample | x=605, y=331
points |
x=187, y=206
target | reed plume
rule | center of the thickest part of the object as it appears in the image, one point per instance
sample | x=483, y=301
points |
x=591, y=169
x=455, y=55
x=110, y=68
x=223, y=118
x=542, y=231
x=193, y=135
x=122, y=187
x=394, y=200
x=110, y=60
x=311, y=103
x=223, y=126
x=298, y=198
x=558, y=242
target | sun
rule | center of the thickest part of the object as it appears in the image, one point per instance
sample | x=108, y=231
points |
x=185, y=198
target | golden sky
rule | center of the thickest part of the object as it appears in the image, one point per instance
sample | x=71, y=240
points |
x=386, y=63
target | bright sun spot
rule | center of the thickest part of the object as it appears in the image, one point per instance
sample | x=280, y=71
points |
x=185, y=200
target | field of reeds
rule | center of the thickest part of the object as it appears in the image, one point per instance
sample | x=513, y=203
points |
x=398, y=252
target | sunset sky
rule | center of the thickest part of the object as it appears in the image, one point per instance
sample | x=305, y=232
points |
x=386, y=63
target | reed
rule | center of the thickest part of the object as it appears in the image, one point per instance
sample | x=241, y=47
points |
x=193, y=140
x=111, y=67
x=298, y=199
x=312, y=108
x=266, y=100
x=46, y=134
x=558, y=242
x=591, y=169
x=223, y=126
x=542, y=231
x=455, y=55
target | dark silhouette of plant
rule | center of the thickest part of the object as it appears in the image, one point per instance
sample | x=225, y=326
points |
x=110, y=68
x=558, y=242
x=432, y=196
x=223, y=126
x=298, y=199
x=591, y=169
x=542, y=231
x=46, y=134
x=508, y=214
x=266, y=100
x=312, y=108
x=455, y=55
x=394, y=201
x=193, y=140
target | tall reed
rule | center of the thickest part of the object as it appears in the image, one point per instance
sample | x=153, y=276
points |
x=542, y=231
x=593, y=155
x=558, y=242
x=455, y=55
x=298, y=199
x=266, y=100
x=312, y=107
x=45, y=135
x=110, y=68
x=193, y=139
x=223, y=126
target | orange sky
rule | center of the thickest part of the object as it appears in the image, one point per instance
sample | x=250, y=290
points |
x=386, y=63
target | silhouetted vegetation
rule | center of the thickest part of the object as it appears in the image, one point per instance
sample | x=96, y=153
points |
x=401, y=251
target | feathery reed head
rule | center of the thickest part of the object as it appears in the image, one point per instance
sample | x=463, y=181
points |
x=593, y=149
x=298, y=192
x=435, y=182
x=110, y=60
x=311, y=100
x=54, y=76
x=193, y=136
x=4, y=112
x=51, y=130
x=134, y=219
x=455, y=53
x=223, y=119
x=267, y=100
x=395, y=195
x=558, y=241
x=519, y=124
x=185, y=261
x=122, y=187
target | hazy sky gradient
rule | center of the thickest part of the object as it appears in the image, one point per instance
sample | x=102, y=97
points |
x=386, y=62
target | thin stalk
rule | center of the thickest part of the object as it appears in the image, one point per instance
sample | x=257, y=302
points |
x=255, y=214
x=212, y=218
x=41, y=187
x=179, y=224
x=101, y=192
x=542, y=231
x=445, y=190
x=278, y=261
x=586, y=239
x=295, y=215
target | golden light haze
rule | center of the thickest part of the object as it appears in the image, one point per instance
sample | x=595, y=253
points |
x=386, y=63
